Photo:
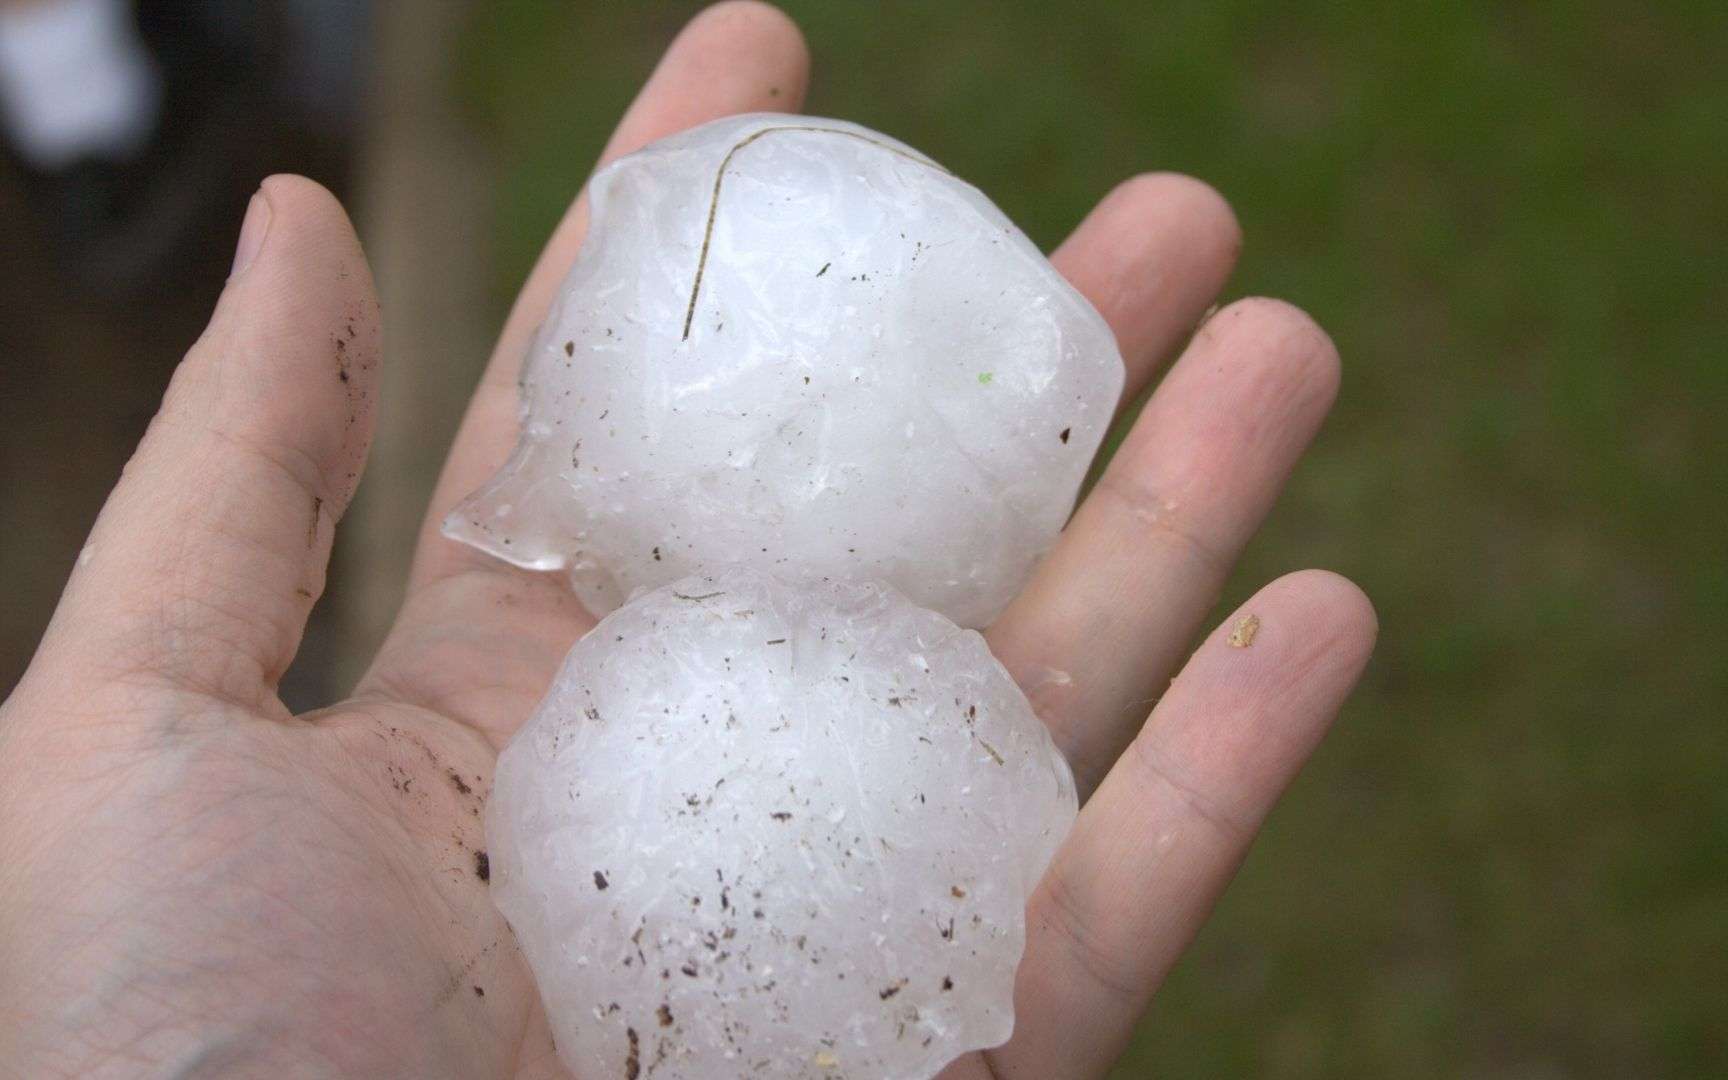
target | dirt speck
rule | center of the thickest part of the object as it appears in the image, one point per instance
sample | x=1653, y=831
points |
x=461, y=784
x=482, y=866
x=600, y=881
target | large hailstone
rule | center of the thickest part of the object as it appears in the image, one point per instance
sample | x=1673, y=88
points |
x=798, y=344
x=759, y=831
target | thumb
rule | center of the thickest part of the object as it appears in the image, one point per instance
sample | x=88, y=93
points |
x=210, y=552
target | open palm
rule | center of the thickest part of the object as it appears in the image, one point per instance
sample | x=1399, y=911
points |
x=193, y=881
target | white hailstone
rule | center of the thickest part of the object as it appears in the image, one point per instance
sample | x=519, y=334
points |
x=799, y=344
x=766, y=831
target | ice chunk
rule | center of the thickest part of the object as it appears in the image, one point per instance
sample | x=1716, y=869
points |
x=775, y=832
x=799, y=344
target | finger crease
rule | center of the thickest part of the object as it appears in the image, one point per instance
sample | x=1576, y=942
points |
x=304, y=478
x=1196, y=802
x=1076, y=928
x=1161, y=516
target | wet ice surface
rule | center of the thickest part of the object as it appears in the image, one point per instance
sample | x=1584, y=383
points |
x=880, y=377
x=765, y=832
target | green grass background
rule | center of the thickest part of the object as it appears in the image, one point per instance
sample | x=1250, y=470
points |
x=1509, y=859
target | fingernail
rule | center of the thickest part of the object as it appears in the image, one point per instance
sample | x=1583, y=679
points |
x=252, y=232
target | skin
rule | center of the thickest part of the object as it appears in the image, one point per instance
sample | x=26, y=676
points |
x=193, y=881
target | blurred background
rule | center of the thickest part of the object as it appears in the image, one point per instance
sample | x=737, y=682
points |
x=1511, y=859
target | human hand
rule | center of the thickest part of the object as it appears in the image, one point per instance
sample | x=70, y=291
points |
x=194, y=881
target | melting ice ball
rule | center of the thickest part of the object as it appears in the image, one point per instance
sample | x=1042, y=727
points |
x=773, y=832
x=799, y=344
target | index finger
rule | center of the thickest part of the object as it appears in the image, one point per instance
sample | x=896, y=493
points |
x=478, y=639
